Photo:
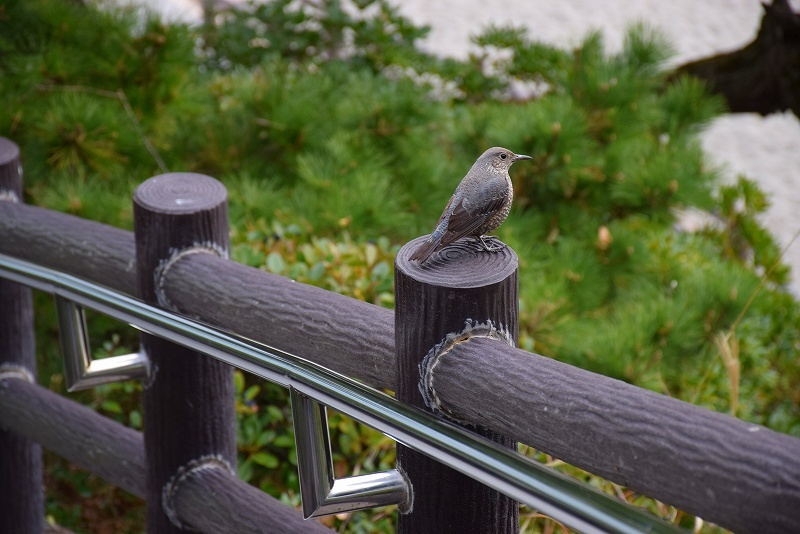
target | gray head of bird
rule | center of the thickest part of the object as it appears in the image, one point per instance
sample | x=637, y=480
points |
x=499, y=159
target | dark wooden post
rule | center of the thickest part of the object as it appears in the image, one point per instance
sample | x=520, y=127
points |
x=461, y=291
x=189, y=419
x=21, y=490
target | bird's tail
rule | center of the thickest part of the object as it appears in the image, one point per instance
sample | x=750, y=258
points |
x=425, y=250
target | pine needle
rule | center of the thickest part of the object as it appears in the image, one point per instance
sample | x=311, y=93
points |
x=119, y=95
x=764, y=280
x=728, y=344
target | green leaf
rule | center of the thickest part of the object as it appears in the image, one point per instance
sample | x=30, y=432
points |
x=371, y=253
x=265, y=459
x=275, y=413
x=111, y=406
x=135, y=419
x=275, y=263
x=265, y=438
x=284, y=441
x=246, y=470
x=251, y=392
x=316, y=272
x=238, y=381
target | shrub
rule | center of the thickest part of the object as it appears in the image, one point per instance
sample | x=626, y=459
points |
x=339, y=140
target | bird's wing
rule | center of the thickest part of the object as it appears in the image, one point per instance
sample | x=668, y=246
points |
x=465, y=222
x=460, y=221
x=434, y=241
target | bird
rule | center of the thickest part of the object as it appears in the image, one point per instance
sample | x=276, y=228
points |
x=480, y=204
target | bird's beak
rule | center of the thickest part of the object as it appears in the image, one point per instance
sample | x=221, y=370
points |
x=518, y=157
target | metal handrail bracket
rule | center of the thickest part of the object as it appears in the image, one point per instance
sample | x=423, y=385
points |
x=80, y=371
x=321, y=493
x=543, y=489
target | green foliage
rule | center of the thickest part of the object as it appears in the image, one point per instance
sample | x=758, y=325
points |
x=76, y=85
x=359, y=270
x=744, y=238
x=264, y=433
x=338, y=140
x=364, y=32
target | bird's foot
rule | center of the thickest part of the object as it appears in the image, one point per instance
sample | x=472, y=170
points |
x=491, y=247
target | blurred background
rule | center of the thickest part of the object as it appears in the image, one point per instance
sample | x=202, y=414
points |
x=765, y=148
x=653, y=224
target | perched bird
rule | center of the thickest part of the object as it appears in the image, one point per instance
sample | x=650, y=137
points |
x=480, y=204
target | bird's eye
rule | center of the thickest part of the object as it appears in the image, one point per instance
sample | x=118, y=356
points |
x=503, y=155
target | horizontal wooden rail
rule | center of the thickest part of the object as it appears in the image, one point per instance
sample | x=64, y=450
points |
x=351, y=337
x=74, y=432
x=88, y=249
x=209, y=500
x=346, y=335
x=213, y=500
x=739, y=475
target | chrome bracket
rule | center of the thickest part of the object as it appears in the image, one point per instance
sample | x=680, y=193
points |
x=321, y=493
x=80, y=371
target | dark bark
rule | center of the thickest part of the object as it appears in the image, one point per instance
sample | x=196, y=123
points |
x=344, y=334
x=356, y=339
x=209, y=500
x=214, y=497
x=739, y=475
x=189, y=398
x=349, y=336
x=462, y=287
x=75, y=432
x=22, y=501
x=96, y=252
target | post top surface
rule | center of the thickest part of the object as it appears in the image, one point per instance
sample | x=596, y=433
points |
x=463, y=264
x=180, y=192
x=9, y=151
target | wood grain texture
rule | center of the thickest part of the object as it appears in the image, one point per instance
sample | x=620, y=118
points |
x=97, y=252
x=356, y=339
x=211, y=501
x=10, y=176
x=351, y=337
x=739, y=475
x=212, y=497
x=189, y=399
x=461, y=265
x=75, y=432
x=341, y=333
x=22, y=504
x=462, y=285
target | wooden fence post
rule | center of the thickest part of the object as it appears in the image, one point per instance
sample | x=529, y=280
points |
x=21, y=489
x=461, y=292
x=189, y=420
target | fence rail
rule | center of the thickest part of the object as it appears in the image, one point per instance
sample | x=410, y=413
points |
x=116, y=453
x=738, y=475
x=522, y=479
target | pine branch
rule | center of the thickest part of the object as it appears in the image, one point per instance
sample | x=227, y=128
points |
x=119, y=95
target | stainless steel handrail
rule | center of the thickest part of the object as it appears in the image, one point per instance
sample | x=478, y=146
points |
x=80, y=371
x=547, y=491
x=321, y=493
